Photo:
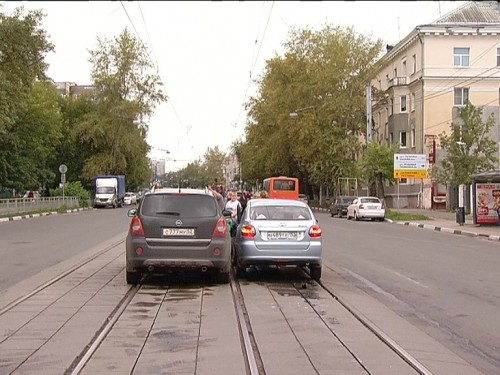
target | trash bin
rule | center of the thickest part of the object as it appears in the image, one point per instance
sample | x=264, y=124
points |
x=460, y=215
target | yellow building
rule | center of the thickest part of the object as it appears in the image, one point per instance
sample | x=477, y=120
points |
x=422, y=82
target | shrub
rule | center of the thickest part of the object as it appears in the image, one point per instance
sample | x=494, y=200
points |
x=73, y=189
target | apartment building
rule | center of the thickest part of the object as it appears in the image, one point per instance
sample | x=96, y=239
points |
x=422, y=82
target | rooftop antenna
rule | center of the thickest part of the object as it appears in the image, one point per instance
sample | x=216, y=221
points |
x=439, y=6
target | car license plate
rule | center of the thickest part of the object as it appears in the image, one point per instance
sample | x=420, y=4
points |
x=178, y=231
x=282, y=235
x=372, y=207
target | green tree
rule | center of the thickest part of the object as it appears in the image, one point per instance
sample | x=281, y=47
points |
x=469, y=148
x=378, y=165
x=212, y=166
x=23, y=45
x=322, y=77
x=128, y=91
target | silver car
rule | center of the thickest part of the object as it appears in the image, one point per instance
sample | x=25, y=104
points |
x=366, y=208
x=278, y=232
x=178, y=230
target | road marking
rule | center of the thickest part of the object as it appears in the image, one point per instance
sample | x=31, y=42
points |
x=410, y=279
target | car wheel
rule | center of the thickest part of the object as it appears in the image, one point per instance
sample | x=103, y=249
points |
x=223, y=277
x=356, y=217
x=315, y=272
x=339, y=214
x=133, y=277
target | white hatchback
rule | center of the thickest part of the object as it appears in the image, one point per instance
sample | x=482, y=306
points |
x=130, y=198
x=366, y=208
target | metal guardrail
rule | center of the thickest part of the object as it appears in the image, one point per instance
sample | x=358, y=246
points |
x=21, y=205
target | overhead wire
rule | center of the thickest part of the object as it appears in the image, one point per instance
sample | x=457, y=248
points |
x=253, y=68
x=157, y=67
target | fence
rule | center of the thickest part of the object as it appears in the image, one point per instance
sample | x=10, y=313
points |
x=22, y=205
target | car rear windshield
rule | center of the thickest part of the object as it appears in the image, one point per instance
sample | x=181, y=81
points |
x=370, y=200
x=346, y=200
x=279, y=213
x=183, y=205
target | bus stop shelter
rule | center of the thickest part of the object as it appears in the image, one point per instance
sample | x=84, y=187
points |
x=486, y=198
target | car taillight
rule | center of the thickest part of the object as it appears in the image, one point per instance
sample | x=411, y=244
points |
x=383, y=205
x=248, y=231
x=136, y=227
x=220, y=228
x=361, y=207
x=315, y=231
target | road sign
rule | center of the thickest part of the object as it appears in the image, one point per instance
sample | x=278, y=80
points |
x=63, y=168
x=63, y=177
x=410, y=166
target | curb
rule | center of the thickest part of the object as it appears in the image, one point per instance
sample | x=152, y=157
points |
x=490, y=237
x=20, y=217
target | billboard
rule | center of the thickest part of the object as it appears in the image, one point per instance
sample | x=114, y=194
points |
x=487, y=202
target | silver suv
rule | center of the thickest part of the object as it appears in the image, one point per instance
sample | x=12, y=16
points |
x=178, y=230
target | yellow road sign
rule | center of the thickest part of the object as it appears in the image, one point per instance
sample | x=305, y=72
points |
x=410, y=173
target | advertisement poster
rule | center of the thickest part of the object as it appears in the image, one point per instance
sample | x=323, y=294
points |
x=487, y=203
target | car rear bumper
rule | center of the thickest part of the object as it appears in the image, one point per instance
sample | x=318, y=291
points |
x=370, y=214
x=248, y=254
x=183, y=258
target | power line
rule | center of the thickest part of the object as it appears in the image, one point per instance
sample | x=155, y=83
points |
x=253, y=67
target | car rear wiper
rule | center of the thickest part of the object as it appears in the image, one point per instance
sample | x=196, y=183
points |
x=173, y=213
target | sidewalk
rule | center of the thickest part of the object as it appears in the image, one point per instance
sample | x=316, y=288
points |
x=445, y=221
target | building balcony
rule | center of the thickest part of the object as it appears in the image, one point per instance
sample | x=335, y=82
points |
x=397, y=81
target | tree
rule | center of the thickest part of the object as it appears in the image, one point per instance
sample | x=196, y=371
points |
x=378, y=165
x=23, y=45
x=212, y=167
x=469, y=148
x=322, y=74
x=128, y=89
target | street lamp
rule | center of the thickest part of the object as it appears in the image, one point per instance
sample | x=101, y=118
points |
x=295, y=113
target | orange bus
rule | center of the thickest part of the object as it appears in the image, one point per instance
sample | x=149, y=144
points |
x=282, y=187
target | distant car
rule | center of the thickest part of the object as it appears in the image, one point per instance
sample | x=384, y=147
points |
x=278, y=232
x=178, y=230
x=366, y=208
x=304, y=198
x=130, y=198
x=339, y=205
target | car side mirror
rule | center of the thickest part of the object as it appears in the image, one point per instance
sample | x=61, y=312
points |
x=132, y=212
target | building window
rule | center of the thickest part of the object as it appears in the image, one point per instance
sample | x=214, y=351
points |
x=498, y=56
x=412, y=102
x=412, y=137
x=395, y=72
x=404, y=68
x=403, y=103
x=391, y=138
x=461, y=56
x=402, y=139
x=414, y=57
x=461, y=96
x=391, y=107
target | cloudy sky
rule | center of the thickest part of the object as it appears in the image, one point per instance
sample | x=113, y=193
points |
x=208, y=52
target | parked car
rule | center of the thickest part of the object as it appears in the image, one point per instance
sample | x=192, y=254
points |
x=339, y=205
x=304, y=198
x=279, y=232
x=178, y=230
x=366, y=208
x=130, y=198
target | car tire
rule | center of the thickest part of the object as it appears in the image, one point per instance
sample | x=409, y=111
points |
x=240, y=271
x=133, y=277
x=339, y=214
x=356, y=217
x=315, y=272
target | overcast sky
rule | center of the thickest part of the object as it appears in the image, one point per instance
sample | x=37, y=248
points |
x=207, y=52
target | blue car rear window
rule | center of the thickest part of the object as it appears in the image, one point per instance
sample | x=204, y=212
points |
x=183, y=205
